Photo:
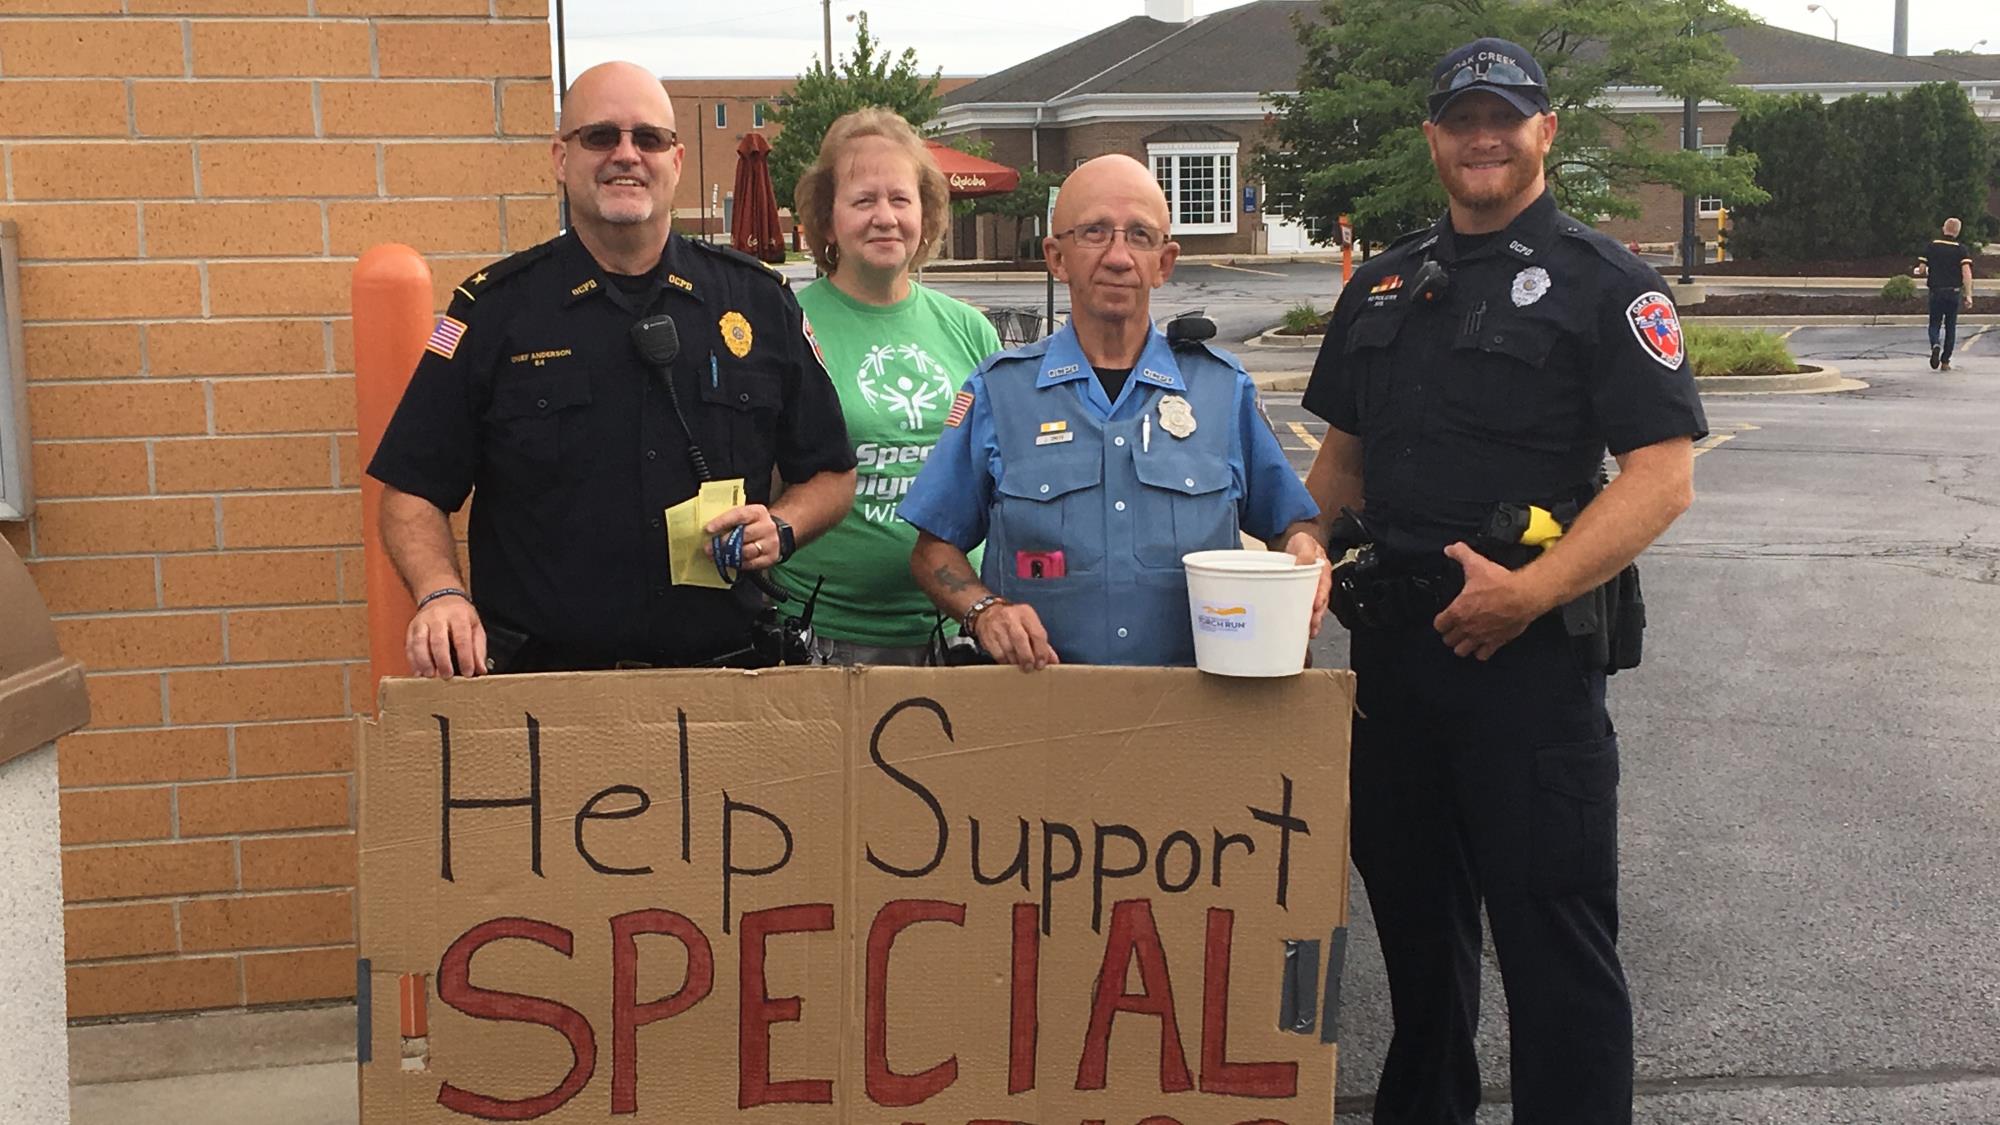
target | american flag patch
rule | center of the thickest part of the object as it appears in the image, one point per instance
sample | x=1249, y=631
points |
x=959, y=406
x=814, y=341
x=445, y=337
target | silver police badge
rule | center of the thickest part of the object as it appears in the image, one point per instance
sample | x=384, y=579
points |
x=1176, y=416
x=1530, y=285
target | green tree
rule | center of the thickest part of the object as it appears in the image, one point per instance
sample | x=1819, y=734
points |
x=1865, y=176
x=868, y=77
x=1350, y=140
x=1028, y=201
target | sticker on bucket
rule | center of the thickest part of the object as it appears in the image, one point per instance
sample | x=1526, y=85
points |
x=1225, y=620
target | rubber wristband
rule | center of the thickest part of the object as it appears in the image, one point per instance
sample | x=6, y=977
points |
x=445, y=592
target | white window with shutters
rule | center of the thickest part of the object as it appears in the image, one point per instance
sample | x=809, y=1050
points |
x=1199, y=178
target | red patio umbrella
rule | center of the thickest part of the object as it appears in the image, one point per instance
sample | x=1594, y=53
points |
x=754, y=227
x=971, y=177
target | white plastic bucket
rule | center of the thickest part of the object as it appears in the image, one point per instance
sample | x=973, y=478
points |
x=1252, y=611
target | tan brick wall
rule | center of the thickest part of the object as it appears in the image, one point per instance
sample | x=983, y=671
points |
x=193, y=181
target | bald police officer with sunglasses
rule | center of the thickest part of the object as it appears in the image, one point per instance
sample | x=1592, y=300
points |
x=1473, y=372
x=533, y=396
x=1089, y=462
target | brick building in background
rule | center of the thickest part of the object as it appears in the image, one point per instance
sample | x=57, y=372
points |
x=711, y=115
x=192, y=181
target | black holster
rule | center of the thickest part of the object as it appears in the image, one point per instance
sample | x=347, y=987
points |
x=1372, y=591
x=1611, y=619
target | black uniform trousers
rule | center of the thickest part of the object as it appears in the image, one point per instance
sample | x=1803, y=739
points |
x=1493, y=782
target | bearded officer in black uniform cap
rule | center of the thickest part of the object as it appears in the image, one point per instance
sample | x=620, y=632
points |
x=533, y=390
x=1474, y=376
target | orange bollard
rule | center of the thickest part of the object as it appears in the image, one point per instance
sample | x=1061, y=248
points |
x=1346, y=250
x=393, y=318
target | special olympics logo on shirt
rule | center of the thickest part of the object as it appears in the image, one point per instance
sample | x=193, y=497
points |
x=903, y=379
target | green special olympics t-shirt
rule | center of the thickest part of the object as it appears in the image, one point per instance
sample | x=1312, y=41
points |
x=897, y=368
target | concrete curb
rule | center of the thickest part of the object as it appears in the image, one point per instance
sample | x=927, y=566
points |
x=1823, y=381
x=1273, y=338
x=1281, y=380
x=209, y=1043
x=1918, y=320
x=1826, y=380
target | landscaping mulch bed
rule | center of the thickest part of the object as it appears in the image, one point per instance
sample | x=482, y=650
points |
x=1881, y=269
x=1793, y=304
x=1778, y=305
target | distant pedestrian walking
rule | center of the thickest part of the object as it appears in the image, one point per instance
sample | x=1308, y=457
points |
x=1948, y=264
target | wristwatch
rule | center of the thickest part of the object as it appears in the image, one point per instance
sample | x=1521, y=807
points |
x=787, y=541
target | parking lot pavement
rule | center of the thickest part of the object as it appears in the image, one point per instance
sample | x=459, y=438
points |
x=1811, y=876
x=1811, y=871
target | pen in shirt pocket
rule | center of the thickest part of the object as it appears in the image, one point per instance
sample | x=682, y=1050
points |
x=1146, y=432
x=714, y=379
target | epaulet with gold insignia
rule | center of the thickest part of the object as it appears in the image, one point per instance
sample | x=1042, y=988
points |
x=738, y=257
x=472, y=288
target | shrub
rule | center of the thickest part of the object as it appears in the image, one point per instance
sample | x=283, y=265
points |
x=1301, y=319
x=1737, y=351
x=1899, y=288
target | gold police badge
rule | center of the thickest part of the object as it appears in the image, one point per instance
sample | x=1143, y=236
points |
x=736, y=333
x=1177, y=416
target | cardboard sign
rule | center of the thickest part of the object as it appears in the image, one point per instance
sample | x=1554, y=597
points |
x=826, y=895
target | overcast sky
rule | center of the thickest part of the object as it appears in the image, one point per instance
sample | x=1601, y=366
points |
x=688, y=38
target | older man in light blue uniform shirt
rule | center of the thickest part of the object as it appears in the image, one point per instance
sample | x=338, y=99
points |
x=1086, y=500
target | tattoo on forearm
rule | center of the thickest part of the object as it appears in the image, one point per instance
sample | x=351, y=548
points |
x=957, y=582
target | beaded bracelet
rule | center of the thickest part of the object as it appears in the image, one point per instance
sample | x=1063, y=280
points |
x=971, y=617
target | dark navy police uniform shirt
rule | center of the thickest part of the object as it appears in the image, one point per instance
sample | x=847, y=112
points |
x=1550, y=343
x=532, y=393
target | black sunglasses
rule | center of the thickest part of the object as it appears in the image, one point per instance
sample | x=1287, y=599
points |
x=602, y=136
x=1496, y=72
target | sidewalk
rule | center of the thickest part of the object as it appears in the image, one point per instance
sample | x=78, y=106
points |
x=217, y=1068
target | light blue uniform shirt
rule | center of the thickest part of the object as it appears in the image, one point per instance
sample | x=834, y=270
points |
x=1121, y=497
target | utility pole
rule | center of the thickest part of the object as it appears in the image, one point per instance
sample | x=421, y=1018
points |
x=701, y=167
x=1690, y=141
x=826, y=30
x=1902, y=27
x=1690, y=237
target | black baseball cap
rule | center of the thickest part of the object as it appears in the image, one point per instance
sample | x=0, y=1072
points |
x=1493, y=65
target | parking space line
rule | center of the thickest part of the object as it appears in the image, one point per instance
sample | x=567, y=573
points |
x=1716, y=438
x=1299, y=429
x=1975, y=335
x=1787, y=334
x=1241, y=269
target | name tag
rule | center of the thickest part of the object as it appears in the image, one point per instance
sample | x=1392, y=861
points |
x=1055, y=439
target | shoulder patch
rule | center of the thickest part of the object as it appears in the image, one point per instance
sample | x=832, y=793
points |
x=961, y=404
x=472, y=288
x=1658, y=328
x=737, y=257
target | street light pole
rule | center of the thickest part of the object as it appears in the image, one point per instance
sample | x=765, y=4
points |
x=1822, y=9
x=1690, y=237
x=1690, y=141
x=826, y=29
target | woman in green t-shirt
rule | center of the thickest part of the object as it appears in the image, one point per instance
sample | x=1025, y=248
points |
x=873, y=206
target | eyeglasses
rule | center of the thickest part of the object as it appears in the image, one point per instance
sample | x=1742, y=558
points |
x=1097, y=235
x=602, y=136
x=1496, y=72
